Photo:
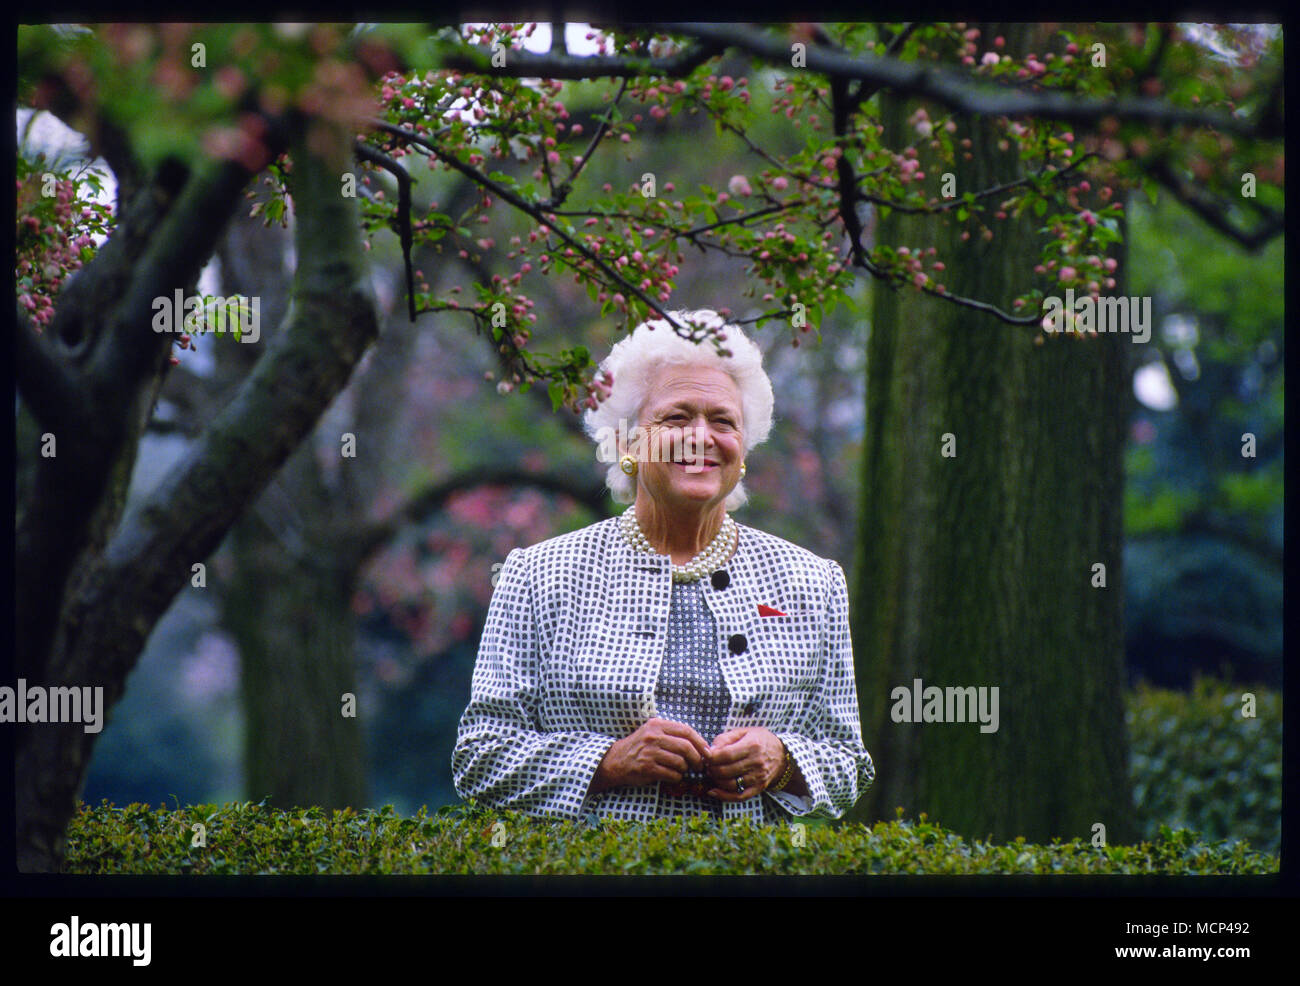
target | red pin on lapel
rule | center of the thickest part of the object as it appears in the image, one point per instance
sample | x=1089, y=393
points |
x=765, y=610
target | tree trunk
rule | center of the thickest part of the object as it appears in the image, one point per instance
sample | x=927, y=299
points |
x=291, y=616
x=977, y=570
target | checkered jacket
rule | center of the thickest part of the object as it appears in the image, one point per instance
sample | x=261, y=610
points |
x=570, y=654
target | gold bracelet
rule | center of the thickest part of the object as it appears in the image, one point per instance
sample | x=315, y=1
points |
x=789, y=769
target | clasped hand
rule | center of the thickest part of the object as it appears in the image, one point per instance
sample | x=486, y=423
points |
x=664, y=750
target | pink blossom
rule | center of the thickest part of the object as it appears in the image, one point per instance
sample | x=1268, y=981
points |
x=1068, y=273
x=739, y=185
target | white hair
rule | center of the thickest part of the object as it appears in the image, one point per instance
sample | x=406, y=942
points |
x=634, y=361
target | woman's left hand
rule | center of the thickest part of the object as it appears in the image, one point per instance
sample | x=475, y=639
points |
x=753, y=754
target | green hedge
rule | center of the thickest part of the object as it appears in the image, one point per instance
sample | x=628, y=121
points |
x=1197, y=766
x=251, y=838
x=1196, y=763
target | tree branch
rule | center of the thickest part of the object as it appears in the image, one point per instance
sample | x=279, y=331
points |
x=106, y=138
x=174, y=257
x=1214, y=212
x=44, y=380
x=528, y=65
x=368, y=153
x=331, y=323
x=540, y=215
x=964, y=92
x=420, y=507
x=861, y=91
x=559, y=195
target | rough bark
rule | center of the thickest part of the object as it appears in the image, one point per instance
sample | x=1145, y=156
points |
x=976, y=570
x=291, y=616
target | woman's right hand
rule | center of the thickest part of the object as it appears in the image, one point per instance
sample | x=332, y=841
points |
x=661, y=750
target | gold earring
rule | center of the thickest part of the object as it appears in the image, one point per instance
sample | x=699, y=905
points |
x=628, y=464
x=742, y=470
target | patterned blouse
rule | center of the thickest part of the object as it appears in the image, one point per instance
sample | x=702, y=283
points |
x=691, y=689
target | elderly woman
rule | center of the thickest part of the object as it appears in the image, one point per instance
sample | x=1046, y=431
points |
x=670, y=661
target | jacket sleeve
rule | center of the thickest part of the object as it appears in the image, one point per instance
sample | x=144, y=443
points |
x=827, y=744
x=502, y=757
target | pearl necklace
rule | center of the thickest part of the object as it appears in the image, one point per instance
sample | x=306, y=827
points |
x=706, y=561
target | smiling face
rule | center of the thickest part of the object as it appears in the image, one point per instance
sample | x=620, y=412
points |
x=687, y=403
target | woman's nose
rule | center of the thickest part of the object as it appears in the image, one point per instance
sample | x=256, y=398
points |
x=704, y=441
